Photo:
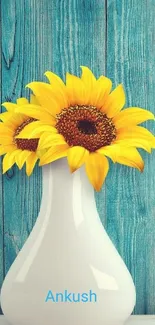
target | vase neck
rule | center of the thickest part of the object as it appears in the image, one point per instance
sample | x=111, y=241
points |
x=58, y=178
x=67, y=194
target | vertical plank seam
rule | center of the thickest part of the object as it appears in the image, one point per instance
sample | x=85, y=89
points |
x=106, y=34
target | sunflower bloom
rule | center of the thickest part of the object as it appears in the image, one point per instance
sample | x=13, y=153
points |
x=17, y=151
x=83, y=120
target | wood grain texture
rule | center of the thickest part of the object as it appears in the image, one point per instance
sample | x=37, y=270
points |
x=116, y=37
x=25, y=44
x=130, y=201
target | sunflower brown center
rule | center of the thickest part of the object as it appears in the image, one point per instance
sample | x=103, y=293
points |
x=85, y=126
x=25, y=144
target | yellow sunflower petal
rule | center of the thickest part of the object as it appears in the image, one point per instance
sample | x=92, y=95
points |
x=75, y=89
x=132, y=116
x=43, y=128
x=6, y=140
x=4, y=149
x=33, y=100
x=30, y=163
x=21, y=157
x=101, y=90
x=136, y=142
x=88, y=78
x=110, y=151
x=15, y=120
x=36, y=112
x=28, y=129
x=76, y=157
x=40, y=153
x=10, y=107
x=55, y=80
x=114, y=102
x=4, y=130
x=52, y=99
x=5, y=116
x=49, y=139
x=89, y=82
x=8, y=161
x=97, y=167
x=131, y=157
x=133, y=132
x=22, y=101
x=57, y=83
x=35, y=129
x=53, y=154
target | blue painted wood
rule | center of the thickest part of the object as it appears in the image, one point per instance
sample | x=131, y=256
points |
x=112, y=37
x=25, y=43
x=130, y=198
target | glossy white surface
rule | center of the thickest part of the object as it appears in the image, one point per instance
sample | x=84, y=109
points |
x=133, y=320
x=68, y=249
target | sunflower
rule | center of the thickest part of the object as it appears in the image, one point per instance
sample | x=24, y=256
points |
x=82, y=120
x=18, y=150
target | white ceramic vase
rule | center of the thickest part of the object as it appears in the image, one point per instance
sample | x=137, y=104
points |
x=68, y=272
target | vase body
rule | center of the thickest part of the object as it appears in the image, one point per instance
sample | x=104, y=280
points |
x=68, y=251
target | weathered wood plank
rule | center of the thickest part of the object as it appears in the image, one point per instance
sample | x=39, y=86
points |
x=130, y=197
x=27, y=53
x=79, y=36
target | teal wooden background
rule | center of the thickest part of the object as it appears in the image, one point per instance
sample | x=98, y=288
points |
x=113, y=37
